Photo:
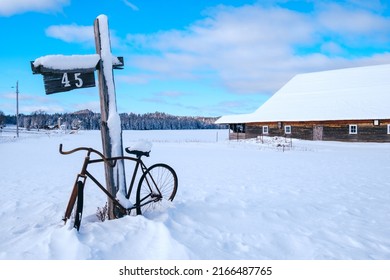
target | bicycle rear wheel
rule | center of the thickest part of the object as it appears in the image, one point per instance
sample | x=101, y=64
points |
x=157, y=185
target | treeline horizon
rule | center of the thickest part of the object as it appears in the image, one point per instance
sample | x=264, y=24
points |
x=88, y=120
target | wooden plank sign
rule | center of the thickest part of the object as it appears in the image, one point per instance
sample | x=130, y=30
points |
x=65, y=73
x=66, y=81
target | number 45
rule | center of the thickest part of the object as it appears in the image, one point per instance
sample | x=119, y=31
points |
x=66, y=83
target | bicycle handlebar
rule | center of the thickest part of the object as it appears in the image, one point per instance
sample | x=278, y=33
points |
x=89, y=150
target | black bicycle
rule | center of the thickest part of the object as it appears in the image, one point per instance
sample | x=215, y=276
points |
x=157, y=184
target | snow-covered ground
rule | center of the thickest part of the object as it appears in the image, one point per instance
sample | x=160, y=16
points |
x=236, y=200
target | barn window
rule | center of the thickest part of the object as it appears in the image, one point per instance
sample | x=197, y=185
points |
x=287, y=129
x=388, y=129
x=265, y=129
x=238, y=128
x=353, y=129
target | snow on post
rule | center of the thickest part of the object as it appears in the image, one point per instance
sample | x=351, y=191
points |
x=111, y=125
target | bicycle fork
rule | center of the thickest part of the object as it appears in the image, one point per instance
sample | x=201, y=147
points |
x=77, y=193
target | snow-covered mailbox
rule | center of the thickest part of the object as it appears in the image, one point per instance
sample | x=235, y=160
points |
x=68, y=72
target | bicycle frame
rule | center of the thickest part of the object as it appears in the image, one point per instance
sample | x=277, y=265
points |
x=84, y=174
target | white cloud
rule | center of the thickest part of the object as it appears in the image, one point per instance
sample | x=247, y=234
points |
x=332, y=48
x=94, y=106
x=50, y=109
x=372, y=5
x=29, y=102
x=11, y=7
x=71, y=33
x=353, y=21
x=238, y=44
x=131, y=5
x=253, y=49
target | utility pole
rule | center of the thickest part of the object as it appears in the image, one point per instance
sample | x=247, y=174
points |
x=17, y=108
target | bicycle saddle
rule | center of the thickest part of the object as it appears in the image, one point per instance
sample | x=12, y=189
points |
x=136, y=152
x=140, y=149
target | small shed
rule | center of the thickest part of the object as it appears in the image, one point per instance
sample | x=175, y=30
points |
x=351, y=104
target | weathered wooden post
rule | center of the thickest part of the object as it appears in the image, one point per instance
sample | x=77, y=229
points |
x=110, y=128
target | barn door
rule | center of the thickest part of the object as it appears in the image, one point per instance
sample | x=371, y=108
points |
x=317, y=132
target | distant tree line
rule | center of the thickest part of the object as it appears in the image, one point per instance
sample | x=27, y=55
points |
x=2, y=119
x=89, y=120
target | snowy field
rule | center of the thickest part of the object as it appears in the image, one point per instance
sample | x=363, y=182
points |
x=236, y=200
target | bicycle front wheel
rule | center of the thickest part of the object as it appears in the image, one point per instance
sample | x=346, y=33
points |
x=79, y=205
x=157, y=185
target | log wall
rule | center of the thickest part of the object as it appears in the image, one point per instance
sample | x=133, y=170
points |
x=367, y=131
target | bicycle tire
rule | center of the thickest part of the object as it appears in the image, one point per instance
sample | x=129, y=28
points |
x=158, y=183
x=79, y=205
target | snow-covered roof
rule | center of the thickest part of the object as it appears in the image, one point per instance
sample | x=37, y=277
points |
x=344, y=94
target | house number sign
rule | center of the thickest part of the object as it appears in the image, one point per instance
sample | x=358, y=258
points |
x=59, y=82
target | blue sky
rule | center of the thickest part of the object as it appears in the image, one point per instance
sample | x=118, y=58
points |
x=188, y=57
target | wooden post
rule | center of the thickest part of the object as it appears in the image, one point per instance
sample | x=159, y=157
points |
x=111, y=133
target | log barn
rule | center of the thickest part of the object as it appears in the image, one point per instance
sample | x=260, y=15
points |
x=351, y=104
